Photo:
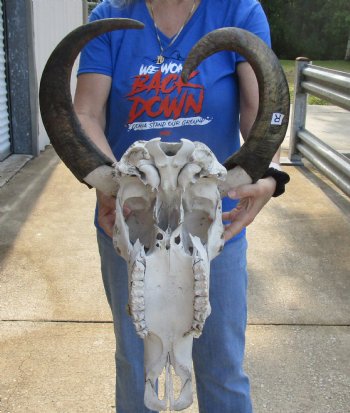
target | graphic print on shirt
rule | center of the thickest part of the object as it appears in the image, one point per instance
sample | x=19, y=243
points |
x=161, y=100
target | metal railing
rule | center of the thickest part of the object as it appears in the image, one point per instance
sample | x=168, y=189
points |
x=334, y=87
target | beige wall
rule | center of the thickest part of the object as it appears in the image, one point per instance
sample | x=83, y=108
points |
x=53, y=19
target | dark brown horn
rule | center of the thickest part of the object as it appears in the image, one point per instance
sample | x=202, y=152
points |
x=71, y=143
x=266, y=134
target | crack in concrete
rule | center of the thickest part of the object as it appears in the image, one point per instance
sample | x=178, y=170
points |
x=56, y=321
x=18, y=381
x=111, y=322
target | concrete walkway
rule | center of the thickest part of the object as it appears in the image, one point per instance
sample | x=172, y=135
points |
x=56, y=336
x=329, y=123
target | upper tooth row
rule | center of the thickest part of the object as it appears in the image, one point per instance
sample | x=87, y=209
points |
x=201, y=297
x=137, y=297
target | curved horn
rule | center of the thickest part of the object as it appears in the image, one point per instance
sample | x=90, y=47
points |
x=71, y=143
x=271, y=122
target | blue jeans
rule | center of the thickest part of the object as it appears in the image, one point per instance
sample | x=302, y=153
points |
x=222, y=386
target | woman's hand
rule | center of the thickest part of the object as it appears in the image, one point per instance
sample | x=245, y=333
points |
x=106, y=212
x=252, y=199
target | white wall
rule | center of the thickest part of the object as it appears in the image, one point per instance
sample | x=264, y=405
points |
x=53, y=19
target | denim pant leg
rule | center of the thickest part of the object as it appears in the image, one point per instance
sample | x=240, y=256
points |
x=129, y=347
x=218, y=353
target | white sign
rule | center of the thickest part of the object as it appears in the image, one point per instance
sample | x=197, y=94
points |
x=277, y=119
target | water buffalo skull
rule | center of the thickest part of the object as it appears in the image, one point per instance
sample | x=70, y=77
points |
x=172, y=190
x=173, y=230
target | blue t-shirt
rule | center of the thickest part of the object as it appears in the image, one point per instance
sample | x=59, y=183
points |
x=148, y=100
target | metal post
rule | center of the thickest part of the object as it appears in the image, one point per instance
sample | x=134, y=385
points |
x=85, y=11
x=299, y=110
x=22, y=79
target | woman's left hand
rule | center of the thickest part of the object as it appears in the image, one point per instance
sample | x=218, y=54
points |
x=252, y=199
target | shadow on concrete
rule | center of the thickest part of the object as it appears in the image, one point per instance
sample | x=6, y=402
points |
x=19, y=196
x=298, y=256
x=334, y=194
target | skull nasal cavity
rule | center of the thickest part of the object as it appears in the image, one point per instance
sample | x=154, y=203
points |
x=170, y=148
x=177, y=240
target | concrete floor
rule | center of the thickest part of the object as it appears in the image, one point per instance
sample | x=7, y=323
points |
x=56, y=336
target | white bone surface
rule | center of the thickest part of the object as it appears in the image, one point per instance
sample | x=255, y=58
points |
x=235, y=177
x=173, y=231
x=102, y=178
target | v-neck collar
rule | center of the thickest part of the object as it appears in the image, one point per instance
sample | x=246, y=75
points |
x=164, y=38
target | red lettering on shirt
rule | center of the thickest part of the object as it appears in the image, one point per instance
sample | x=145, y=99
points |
x=157, y=101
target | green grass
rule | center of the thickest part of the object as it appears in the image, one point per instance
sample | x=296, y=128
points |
x=289, y=68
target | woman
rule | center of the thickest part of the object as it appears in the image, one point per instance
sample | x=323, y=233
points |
x=129, y=88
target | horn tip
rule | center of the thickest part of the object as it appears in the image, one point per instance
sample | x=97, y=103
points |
x=184, y=76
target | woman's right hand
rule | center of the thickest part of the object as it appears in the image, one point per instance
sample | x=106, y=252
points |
x=106, y=212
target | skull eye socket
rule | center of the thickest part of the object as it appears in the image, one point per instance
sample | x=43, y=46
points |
x=140, y=220
x=200, y=207
x=198, y=222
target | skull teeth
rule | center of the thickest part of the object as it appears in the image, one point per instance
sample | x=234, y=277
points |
x=138, y=285
x=138, y=273
x=138, y=316
x=199, y=316
x=137, y=303
x=201, y=288
x=137, y=292
x=140, y=326
x=201, y=296
x=201, y=284
x=200, y=303
x=137, y=296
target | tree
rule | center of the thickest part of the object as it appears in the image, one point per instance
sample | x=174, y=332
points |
x=92, y=4
x=317, y=29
